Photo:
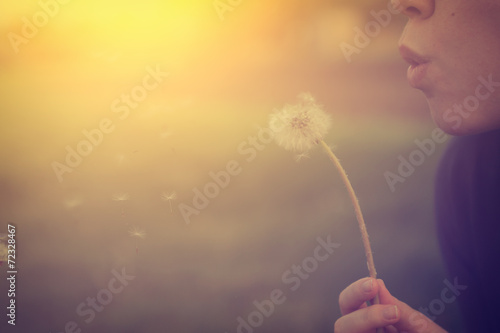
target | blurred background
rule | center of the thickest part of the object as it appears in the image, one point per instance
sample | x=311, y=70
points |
x=222, y=67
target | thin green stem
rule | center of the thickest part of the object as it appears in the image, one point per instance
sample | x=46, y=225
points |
x=359, y=217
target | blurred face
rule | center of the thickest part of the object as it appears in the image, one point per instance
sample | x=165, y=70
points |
x=453, y=48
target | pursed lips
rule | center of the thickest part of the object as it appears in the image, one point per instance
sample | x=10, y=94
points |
x=418, y=66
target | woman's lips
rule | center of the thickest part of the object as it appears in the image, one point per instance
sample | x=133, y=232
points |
x=418, y=66
x=416, y=73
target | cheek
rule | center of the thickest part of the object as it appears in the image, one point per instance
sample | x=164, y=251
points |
x=466, y=48
x=466, y=36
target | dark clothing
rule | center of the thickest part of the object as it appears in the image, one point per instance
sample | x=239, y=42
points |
x=468, y=225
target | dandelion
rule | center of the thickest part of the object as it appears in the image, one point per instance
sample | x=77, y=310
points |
x=301, y=127
x=137, y=234
x=169, y=197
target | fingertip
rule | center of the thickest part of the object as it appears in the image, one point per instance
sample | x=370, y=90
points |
x=355, y=296
x=367, y=285
x=384, y=294
x=381, y=284
x=369, y=318
x=391, y=313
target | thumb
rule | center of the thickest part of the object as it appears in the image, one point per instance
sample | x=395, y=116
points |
x=410, y=320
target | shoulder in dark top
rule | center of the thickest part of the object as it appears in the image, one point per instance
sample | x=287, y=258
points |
x=467, y=202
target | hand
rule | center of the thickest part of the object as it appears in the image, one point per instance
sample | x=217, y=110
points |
x=391, y=313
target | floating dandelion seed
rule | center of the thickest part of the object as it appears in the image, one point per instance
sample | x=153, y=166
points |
x=169, y=197
x=300, y=127
x=120, y=196
x=137, y=234
x=301, y=156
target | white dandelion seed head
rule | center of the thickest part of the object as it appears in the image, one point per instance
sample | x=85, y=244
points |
x=299, y=127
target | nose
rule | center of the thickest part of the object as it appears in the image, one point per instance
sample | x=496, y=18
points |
x=415, y=9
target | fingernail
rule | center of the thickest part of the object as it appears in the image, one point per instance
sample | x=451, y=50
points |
x=390, y=313
x=367, y=286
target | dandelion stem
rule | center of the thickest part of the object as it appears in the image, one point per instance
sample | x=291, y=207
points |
x=359, y=215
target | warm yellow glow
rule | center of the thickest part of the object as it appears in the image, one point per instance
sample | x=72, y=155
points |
x=67, y=75
x=113, y=113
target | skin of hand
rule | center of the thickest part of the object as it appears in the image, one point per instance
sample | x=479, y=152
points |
x=391, y=313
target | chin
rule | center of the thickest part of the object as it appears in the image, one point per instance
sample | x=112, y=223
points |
x=457, y=124
x=459, y=113
x=454, y=130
